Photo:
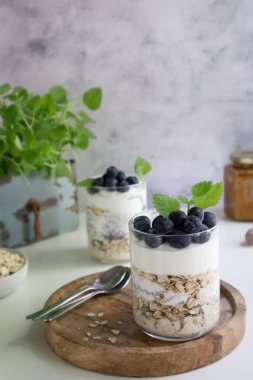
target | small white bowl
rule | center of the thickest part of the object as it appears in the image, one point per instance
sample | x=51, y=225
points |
x=11, y=282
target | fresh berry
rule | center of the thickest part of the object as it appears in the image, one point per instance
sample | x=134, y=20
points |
x=177, y=217
x=143, y=218
x=98, y=182
x=155, y=220
x=163, y=226
x=179, y=240
x=123, y=186
x=110, y=183
x=142, y=225
x=132, y=180
x=192, y=224
x=112, y=172
x=153, y=241
x=197, y=211
x=121, y=176
x=209, y=219
x=202, y=236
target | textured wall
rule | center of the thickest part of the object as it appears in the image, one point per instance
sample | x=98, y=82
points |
x=177, y=77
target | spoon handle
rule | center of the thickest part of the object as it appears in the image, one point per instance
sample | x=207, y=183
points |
x=40, y=313
x=62, y=310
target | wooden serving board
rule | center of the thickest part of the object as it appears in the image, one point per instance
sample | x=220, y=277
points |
x=73, y=338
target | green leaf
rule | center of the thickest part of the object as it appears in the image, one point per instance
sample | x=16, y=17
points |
x=211, y=198
x=62, y=169
x=141, y=166
x=93, y=98
x=10, y=115
x=201, y=188
x=4, y=88
x=58, y=93
x=183, y=199
x=164, y=204
x=88, y=182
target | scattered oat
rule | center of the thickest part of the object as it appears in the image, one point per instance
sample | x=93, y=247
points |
x=112, y=339
x=88, y=333
x=86, y=339
x=100, y=315
x=92, y=324
x=119, y=322
x=104, y=322
x=97, y=338
x=115, y=332
x=91, y=315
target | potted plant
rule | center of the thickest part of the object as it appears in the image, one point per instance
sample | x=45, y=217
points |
x=38, y=196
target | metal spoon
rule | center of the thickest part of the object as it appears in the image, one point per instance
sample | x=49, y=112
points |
x=106, y=281
x=62, y=310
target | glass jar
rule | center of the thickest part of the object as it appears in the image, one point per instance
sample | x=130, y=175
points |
x=176, y=292
x=238, y=186
x=108, y=213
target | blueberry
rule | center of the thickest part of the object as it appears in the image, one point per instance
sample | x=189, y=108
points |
x=132, y=180
x=202, y=237
x=143, y=218
x=142, y=225
x=163, y=226
x=112, y=172
x=122, y=186
x=97, y=182
x=197, y=211
x=209, y=219
x=121, y=176
x=192, y=224
x=179, y=240
x=155, y=219
x=153, y=241
x=177, y=217
x=110, y=183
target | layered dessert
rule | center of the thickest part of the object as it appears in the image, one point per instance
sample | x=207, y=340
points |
x=111, y=201
x=175, y=273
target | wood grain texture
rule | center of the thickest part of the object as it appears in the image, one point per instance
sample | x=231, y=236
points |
x=134, y=353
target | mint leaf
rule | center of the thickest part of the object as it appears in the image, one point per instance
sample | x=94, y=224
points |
x=58, y=93
x=141, y=166
x=201, y=188
x=164, y=204
x=92, y=98
x=88, y=182
x=210, y=198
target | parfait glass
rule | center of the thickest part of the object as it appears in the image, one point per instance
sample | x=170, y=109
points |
x=175, y=282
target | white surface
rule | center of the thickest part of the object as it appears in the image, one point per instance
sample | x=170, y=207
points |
x=24, y=353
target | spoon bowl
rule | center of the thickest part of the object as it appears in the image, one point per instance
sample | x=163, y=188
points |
x=64, y=309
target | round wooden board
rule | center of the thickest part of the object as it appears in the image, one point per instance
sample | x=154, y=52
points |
x=134, y=353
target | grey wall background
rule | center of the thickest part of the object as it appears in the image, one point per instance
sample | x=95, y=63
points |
x=177, y=77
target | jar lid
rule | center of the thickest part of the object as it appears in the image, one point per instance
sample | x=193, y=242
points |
x=242, y=157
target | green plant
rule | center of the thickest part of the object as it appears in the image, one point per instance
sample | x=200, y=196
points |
x=36, y=130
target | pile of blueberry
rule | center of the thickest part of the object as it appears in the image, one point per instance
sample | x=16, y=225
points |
x=176, y=228
x=113, y=179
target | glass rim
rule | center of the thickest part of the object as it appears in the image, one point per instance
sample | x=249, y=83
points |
x=142, y=180
x=153, y=211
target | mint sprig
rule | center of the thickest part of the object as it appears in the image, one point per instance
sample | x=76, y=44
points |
x=164, y=204
x=141, y=166
x=203, y=194
x=88, y=182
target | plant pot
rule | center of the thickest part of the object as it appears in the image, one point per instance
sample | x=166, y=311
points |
x=41, y=209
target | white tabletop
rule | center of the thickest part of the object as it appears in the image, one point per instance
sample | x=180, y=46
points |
x=24, y=352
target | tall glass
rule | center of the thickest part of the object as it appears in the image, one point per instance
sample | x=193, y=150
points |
x=108, y=213
x=176, y=292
